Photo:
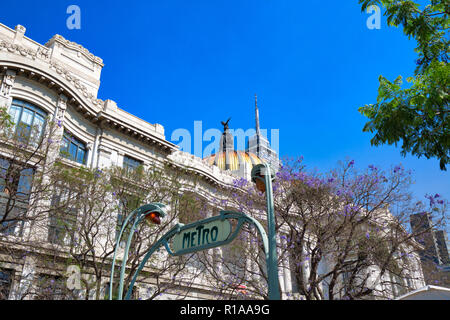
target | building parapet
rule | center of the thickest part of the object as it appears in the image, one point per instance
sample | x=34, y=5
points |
x=61, y=66
x=211, y=172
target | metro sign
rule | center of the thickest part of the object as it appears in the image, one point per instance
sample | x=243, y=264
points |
x=201, y=235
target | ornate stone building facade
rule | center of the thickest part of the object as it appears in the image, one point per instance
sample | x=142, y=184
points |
x=60, y=81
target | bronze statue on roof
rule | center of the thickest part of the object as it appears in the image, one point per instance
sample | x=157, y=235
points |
x=225, y=125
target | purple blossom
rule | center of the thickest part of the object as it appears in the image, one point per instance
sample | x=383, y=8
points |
x=431, y=199
x=284, y=175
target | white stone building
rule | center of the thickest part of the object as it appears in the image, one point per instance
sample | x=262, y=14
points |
x=60, y=80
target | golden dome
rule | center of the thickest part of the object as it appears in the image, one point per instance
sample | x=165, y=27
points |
x=235, y=158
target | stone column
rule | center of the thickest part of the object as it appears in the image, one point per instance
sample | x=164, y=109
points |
x=280, y=270
x=104, y=157
x=37, y=228
x=26, y=279
x=286, y=269
x=120, y=156
x=94, y=157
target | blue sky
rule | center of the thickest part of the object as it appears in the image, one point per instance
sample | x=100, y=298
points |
x=311, y=63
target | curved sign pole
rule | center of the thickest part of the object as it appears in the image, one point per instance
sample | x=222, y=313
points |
x=201, y=235
x=138, y=215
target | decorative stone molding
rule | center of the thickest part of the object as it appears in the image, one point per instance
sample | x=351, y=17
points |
x=44, y=53
x=20, y=32
x=109, y=105
x=7, y=83
x=41, y=53
x=103, y=149
x=76, y=83
x=74, y=46
x=61, y=108
x=62, y=102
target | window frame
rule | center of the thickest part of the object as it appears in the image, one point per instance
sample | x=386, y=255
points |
x=35, y=110
x=19, y=190
x=130, y=164
x=61, y=225
x=71, y=140
x=9, y=283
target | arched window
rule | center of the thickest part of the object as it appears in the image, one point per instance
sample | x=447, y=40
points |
x=73, y=149
x=29, y=120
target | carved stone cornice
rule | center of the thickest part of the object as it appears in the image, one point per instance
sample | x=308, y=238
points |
x=74, y=46
x=76, y=83
x=91, y=108
x=41, y=53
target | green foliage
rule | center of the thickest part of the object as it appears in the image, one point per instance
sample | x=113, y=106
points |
x=5, y=118
x=419, y=116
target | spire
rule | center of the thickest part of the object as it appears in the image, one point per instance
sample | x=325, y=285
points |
x=257, y=115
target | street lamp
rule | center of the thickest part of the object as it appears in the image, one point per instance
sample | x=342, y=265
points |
x=262, y=176
x=152, y=214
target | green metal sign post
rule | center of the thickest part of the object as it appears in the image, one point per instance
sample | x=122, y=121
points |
x=205, y=234
x=262, y=175
x=148, y=211
x=200, y=235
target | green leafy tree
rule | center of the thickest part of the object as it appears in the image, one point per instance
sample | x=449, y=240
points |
x=419, y=115
x=5, y=118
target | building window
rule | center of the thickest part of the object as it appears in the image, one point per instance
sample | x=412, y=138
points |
x=73, y=149
x=4, y=166
x=15, y=189
x=29, y=120
x=24, y=185
x=14, y=182
x=5, y=283
x=13, y=224
x=63, y=217
x=131, y=164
